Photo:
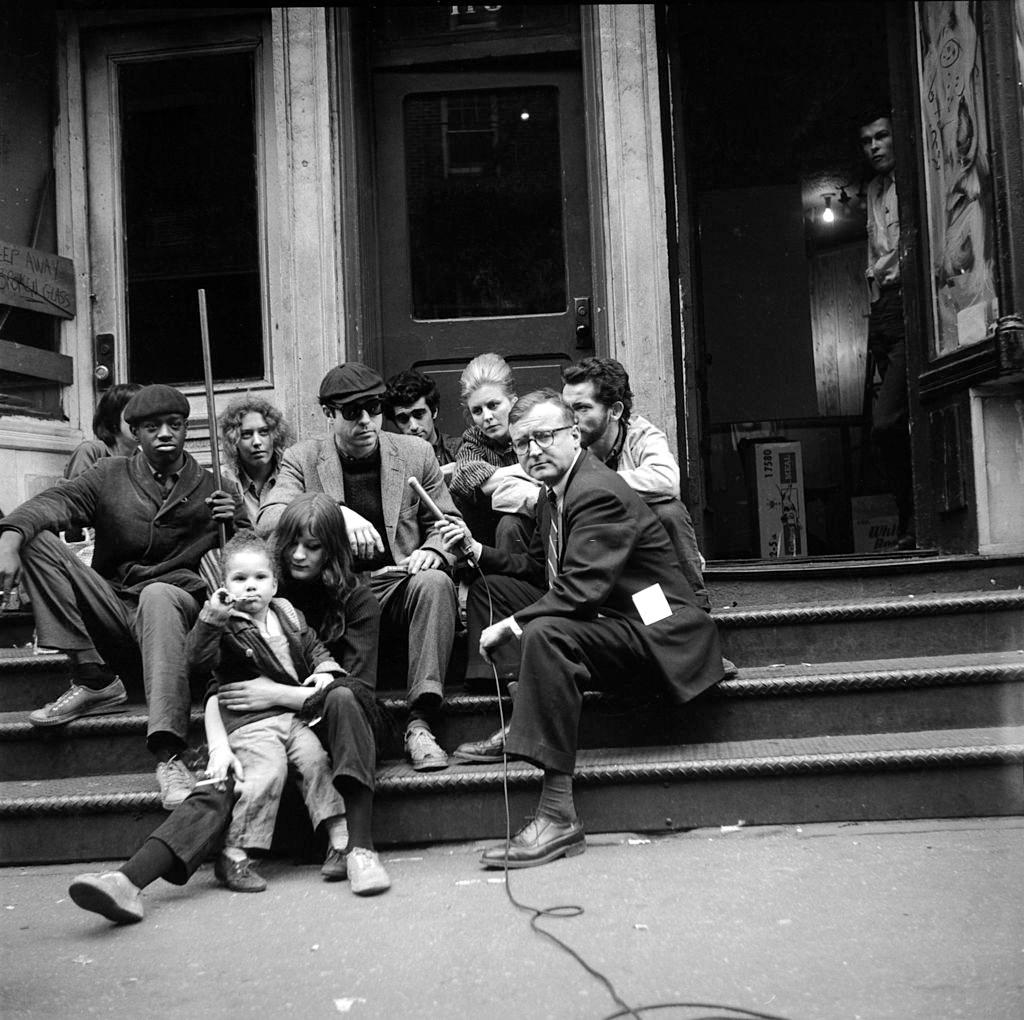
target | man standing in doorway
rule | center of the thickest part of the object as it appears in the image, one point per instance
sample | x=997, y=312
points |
x=886, y=331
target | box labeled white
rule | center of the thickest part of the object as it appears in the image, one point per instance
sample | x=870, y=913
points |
x=781, y=514
x=875, y=521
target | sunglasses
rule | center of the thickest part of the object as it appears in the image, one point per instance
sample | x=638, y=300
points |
x=354, y=410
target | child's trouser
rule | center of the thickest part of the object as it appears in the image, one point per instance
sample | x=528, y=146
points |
x=266, y=748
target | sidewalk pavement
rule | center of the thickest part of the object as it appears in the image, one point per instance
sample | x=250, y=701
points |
x=897, y=920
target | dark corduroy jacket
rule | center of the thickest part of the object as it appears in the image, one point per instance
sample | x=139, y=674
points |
x=141, y=537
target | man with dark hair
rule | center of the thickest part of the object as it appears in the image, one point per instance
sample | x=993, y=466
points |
x=411, y=401
x=366, y=471
x=887, y=340
x=155, y=514
x=597, y=602
x=597, y=390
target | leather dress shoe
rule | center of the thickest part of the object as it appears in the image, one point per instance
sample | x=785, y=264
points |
x=541, y=840
x=479, y=752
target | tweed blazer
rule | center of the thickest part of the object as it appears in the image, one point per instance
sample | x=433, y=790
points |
x=612, y=546
x=314, y=466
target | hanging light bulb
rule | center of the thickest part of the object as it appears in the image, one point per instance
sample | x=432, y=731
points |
x=828, y=216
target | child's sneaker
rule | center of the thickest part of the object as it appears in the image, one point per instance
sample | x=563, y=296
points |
x=175, y=781
x=366, y=875
x=238, y=876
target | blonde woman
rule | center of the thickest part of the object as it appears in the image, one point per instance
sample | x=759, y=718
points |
x=495, y=495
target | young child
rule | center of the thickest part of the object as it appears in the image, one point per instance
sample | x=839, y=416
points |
x=242, y=633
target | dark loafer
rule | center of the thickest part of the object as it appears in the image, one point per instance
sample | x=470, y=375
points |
x=541, y=840
x=491, y=749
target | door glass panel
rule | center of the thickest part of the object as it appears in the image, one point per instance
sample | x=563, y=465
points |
x=191, y=216
x=484, y=185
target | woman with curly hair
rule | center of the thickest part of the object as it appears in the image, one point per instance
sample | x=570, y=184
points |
x=496, y=497
x=255, y=436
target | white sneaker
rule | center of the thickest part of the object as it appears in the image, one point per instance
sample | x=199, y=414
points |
x=111, y=894
x=366, y=875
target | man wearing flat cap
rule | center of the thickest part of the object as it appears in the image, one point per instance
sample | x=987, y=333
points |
x=155, y=514
x=366, y=471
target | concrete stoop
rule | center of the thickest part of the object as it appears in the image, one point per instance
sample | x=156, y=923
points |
x=900, y=703
x=940, y=773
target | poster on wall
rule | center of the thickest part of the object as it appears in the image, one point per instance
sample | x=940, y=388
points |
x=961, y=227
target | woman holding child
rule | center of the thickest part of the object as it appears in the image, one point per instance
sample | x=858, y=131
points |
x=330, y=687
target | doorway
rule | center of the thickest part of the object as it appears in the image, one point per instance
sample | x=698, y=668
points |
x=482, y=205
x=776, y=191
x=179, y=121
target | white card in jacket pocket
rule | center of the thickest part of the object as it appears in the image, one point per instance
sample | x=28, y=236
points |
x=651, y=604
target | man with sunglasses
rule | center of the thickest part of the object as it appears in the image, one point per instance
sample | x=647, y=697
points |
x=366, y=471
x=412, y=401
x=598, y=603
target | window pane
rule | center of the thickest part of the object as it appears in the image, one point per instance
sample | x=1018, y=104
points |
x=189, y=156
x=485, y=203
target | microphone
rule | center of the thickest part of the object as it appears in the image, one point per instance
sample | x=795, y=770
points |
x=438, y=515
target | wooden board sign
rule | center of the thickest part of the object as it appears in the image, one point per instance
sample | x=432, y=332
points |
x=36, y=280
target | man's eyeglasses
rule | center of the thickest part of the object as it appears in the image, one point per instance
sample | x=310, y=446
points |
x=354, y=410
x=542, y=437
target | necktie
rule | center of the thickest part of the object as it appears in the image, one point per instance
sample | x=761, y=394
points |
x=553, y=539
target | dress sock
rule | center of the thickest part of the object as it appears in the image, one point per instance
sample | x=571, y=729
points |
x=151, y=861
x=556, y=797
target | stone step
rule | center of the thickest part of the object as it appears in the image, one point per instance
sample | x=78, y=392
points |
x=740, y=584
x=786, y=701
x=17, y=628
x=942, y=773
x=833, y=631
x=29, y=679
x=938, y=624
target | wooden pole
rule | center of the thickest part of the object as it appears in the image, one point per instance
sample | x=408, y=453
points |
x=211, y=407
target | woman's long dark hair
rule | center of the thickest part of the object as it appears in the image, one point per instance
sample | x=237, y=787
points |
x=323, y=518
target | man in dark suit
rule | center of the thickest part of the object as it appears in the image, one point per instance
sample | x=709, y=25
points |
x=366, y=471
x=598, y=602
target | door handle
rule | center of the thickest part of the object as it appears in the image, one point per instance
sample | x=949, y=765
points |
x=103, y=360
x=584, y=330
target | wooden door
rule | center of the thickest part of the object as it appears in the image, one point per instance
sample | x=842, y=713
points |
x=483, y=225
x=179, y=144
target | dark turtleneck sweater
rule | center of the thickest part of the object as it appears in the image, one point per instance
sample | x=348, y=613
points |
x=362, y=494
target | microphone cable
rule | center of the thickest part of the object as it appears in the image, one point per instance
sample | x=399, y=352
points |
x=569, y=910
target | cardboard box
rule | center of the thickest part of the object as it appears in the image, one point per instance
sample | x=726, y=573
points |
x=781, y=512
x=875, y=520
